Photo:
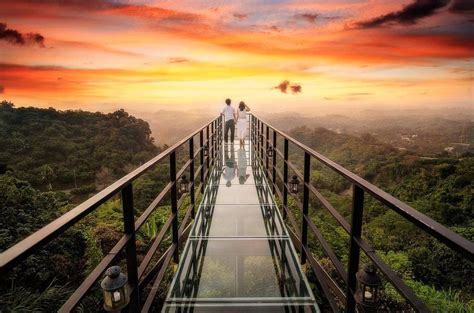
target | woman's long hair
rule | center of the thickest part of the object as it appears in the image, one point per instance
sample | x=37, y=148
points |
x=241, y=106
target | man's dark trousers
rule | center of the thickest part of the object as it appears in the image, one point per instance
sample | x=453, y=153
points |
x=229, y=125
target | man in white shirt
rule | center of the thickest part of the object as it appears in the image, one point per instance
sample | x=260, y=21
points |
x=229, y=117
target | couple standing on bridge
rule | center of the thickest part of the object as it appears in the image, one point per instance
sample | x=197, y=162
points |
x=232, y=117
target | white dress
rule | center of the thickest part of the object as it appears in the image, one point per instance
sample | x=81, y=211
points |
x=242, y=124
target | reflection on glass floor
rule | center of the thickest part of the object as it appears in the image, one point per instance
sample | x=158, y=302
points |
x=239, y=256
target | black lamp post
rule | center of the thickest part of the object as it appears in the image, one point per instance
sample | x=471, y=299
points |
x=115, y=289
x=184, y=185
x=294, y=184
x=270, y=152
x=369, y=283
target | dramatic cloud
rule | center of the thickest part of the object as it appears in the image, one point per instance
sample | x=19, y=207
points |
x=462, y=6
x=296, y=88
x=284, y=85
x=2, y=89
x=156, y=14
x=275, y=28
x=15, y=37
x=178, y=60
x=308, y=17
x=240, y=16
x=409, y=15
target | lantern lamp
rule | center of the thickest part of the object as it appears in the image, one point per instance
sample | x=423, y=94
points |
x=268, y=212
x=294, y=184
x=369, y=283
x=184, y=185
x=205, y=150
x=270, y=151
x=115, y=289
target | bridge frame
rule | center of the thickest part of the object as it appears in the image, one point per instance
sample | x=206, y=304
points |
x=210, y=135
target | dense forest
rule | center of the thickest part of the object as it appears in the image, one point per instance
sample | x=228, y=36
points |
x=52, y=160
x=58, y=150
x=441, y=188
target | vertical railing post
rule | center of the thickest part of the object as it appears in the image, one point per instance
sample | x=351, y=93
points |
x=254, y=139
x=285, y=178
x=274, y=160
x=174, y=205
x=258, y=139
x=201, y=157
x=131, y=249
x=261, y=142
x=191, y=176
x=209, y=148
x=354, y=254
x=216, y=143
x=221, y=135
x=267, y=144
x=252, y=130
x=304, y=226
x=213, y=143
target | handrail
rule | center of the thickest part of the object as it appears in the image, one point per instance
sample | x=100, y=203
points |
x=436, y=229
x=20, y=251
x=24, y=248
x=261, y=143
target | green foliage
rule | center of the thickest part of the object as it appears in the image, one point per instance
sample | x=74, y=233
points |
x=20, y=299
x=441, y=301
x=24, y=209
x=64, y=149
x=438, y=187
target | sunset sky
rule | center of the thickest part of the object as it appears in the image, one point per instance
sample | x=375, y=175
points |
x=312, y=56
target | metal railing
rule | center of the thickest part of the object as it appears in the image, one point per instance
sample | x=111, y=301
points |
x=139, y=275
x=264, y=136
x=210, y=136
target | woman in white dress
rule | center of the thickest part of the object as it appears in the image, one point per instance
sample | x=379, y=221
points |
x=242, y=124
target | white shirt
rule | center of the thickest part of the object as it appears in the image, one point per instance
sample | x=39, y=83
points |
x=228, y=112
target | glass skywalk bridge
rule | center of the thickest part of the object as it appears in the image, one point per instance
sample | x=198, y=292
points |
x=239, y=255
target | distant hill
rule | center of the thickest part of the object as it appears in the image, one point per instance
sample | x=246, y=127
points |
x=57, y=150
x=169, y=126
x=427, y=134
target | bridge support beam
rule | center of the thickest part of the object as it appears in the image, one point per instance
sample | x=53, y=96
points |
x=191, y=177
x=354, y=254
x=285, y=178
x=131, y=249
x=174, y=206
x=304, y=225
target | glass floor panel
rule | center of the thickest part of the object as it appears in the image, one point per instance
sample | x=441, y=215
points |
x=256, y=268
x=231, y=220
x=238, y=256
x=239, y=194
x=239, y=308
